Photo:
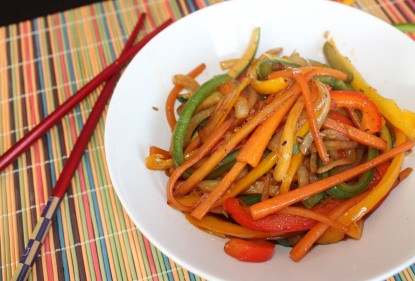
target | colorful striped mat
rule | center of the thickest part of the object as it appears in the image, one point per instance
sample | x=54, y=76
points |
x=42, y=63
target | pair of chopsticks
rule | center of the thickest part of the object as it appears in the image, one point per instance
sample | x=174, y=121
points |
x=109, y=75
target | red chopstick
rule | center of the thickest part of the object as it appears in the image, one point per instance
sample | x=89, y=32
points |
x=48, y=213
x=39, y=130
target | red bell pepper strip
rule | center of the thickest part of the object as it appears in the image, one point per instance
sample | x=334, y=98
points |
x=250, y=250
x=371, y=119
x=341, y=118
x=239, y=211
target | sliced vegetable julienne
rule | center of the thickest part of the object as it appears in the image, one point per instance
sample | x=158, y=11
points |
x=253, y=121
x=401, y=118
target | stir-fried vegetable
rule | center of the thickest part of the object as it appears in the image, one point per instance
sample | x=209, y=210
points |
x=282, y=147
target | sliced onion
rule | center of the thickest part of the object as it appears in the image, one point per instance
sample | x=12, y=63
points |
x=350, y=158
x=195, y=121
x=308, y=139
x=340, y=144
x=241, y=107
x=302, y=174
x=187, y=82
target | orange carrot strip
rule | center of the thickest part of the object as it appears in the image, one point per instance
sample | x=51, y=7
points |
x=235, y=139
x=227, y=87
x=312, y=120
x=252, y=151
x=192, y=145
x=201, y=152
x=304, y=245
x=277, y=203
x=355, y=134
x=203, y=207
x=320, y=71
x=302, y=212
x=157, y=150
x=171, y=99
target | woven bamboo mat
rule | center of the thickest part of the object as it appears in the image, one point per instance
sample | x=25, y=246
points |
x=42, y=63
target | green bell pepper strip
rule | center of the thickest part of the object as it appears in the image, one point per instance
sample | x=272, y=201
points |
x=225, y=165
x=250, y=199
x=386, y=135
x=347, y=191
x=334, y=83
x=189, y=108
x=313, y=200
x=267, y=66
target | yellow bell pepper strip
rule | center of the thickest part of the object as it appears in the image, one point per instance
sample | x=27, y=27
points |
x=402, y=119
x=270, y=86
x=371, y=118
x=158, y=162
x=296, y=160
x=287, y=141
x=379, y=192
x=216, y=225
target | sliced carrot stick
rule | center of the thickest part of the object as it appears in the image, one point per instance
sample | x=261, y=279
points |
x=254, y=148
x=277, y=203
x=320, y=71
x=202, y=151
x=355, y=134
x=227, y=87
x=171, y=99
x=203, y=207
x=304, y=245
x=312, y=120
x=297, y=211
x=194, y=143
x=157, y=150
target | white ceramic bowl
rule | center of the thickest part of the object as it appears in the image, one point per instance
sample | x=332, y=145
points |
x=385, y=56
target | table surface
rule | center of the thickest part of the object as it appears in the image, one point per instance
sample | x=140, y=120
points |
x=43, y=62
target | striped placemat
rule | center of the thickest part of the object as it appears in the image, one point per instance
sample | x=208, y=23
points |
x=42, y=63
